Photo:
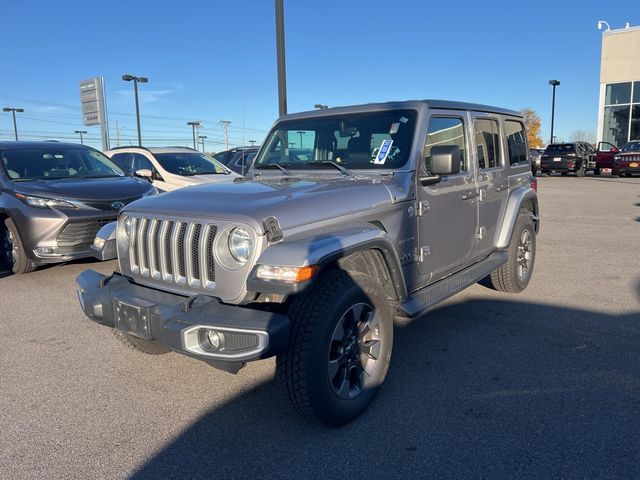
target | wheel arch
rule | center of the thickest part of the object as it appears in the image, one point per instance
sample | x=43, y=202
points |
x=520, y=199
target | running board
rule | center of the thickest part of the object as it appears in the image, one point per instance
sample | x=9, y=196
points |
x=420, y=301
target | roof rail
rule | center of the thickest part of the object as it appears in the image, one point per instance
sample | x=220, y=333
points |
x=129, y=146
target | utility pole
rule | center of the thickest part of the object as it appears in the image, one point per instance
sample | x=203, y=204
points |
x=301, y=133
x=225, y=125
x=117, y=134
x=80, y=132
x=282, y=70
x=554, y=84
x=136, y=80
x=13, y=111
x=202, y=138
x=194, y=125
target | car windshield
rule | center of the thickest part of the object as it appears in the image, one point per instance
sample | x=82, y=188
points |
x=189, y=163
x=560, y=148
x=374, y=140
x=51, y=163
x=631, y=147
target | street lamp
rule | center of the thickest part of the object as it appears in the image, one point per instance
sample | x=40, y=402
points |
x=136, y=80
x=320, y=106
x=554, y=84
x=202, y=138
x=252, y=142
x=13, y=111
x=282, y=70
x=80, y=132
x=301, y=133
x=602, y=23
x=193, y=126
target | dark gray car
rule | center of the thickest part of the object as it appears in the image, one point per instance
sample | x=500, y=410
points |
x=54, y=197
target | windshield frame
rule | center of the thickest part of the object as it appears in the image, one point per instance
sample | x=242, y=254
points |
x=410, y=113
x=101, y=157
x=162, y=157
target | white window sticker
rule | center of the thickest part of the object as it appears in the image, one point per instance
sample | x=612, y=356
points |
x=394, y=128
x=383, y=153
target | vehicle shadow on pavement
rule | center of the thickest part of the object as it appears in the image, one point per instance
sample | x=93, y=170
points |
x=485, y=388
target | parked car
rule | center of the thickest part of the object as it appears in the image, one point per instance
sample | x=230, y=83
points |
x=169, y=168
x=604, y=156
x=564, y=158
x=237, y=159
x=390, y=210
x=535, y=156
x=54, y=197
x=627, y=162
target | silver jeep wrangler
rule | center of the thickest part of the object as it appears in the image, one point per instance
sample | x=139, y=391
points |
x=349, y=218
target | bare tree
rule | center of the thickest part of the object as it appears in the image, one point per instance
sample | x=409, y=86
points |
x=583, y=136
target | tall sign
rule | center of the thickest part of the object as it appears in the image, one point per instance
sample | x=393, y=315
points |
x=94, y=107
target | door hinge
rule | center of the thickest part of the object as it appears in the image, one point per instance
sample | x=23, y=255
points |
x=482, y=231
x=422, y=253
x=423, y=207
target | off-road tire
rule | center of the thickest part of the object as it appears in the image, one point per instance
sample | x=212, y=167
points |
x=149, y=347
x=506, y=277
x=303, y=371
x=19, y=262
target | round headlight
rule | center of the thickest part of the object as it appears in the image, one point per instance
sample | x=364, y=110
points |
x=240, y=244
x=127, y=228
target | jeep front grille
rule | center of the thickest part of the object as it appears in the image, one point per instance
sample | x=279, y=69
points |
x=173, y=251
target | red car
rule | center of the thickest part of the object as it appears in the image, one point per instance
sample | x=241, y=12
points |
x=627, y=162
x=604, y=156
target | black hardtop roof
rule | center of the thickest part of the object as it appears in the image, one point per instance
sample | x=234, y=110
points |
x=405, y=104
x=4, y=144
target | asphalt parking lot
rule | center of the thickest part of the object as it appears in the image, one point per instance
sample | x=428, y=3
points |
x=541, y=384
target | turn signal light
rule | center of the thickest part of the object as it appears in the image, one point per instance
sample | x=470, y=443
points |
x=286, y=274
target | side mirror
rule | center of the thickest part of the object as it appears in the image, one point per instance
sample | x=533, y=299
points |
x=144, y=173
x=614, y=150
x=445, y=160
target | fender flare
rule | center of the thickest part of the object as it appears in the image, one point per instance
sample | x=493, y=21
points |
x=517, y=199
x=323, y=249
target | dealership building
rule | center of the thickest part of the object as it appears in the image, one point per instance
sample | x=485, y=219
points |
x=619, y=110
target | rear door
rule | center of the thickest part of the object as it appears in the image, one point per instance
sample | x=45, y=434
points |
x=447, y=220
x=493, y=183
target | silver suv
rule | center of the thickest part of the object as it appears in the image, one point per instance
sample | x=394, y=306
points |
x=350, y=217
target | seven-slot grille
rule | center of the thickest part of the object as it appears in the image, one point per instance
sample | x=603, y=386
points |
x=174, y=251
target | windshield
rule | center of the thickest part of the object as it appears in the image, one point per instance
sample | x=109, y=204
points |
x=189, y=163
x=51, y=163
x=631, y=147
x=560, y=148
x=375, y=140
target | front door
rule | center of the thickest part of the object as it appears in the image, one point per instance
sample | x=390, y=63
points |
x=492, y=179
x=447, y=210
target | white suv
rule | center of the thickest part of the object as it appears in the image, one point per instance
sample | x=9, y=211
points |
x=169, y=168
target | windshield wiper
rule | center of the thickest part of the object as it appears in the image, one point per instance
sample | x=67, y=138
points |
x=344, y=171
x=278, y=166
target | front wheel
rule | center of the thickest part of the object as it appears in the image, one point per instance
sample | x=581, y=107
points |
x=12, y=252
x=339, y=347
x=596, y=171
x=515, y=274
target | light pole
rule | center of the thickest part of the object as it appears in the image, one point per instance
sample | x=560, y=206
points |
x=554, y=84
x=282, y=70
x=136, y=80
x=252, y=142
x=202, y=138
x=194, y=125
x=80, y=132
x=320, y=106
x=301, y=133
x=13, y=111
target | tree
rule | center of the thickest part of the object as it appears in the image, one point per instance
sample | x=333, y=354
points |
x=532, y=122
x=583, y=136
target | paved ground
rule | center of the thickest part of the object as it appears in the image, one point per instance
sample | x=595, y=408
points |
x=542, y=384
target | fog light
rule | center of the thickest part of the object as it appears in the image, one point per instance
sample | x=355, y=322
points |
x=46, y=251
x=216, y=339
x=99, y=242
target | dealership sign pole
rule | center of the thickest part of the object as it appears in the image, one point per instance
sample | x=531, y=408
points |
x=94, y=107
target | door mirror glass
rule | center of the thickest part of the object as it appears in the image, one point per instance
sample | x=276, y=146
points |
x=445, y=159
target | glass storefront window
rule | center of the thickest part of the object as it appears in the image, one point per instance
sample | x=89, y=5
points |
x=636, y=92
x=635, y=122
x=616, y=125
x=618, y=93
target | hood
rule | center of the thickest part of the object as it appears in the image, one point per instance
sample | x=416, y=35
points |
x=293, y=201
x=199, y=179
x=85, y=189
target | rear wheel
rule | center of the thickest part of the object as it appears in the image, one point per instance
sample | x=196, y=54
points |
x=12, y=253
x=515, y=274
x=143, y=346
x=596, y=171
x=339, y=347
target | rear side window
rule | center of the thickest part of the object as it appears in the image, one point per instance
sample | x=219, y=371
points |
x=560, y=149
x=516, y=142
x=487, y=143
x=445, y=131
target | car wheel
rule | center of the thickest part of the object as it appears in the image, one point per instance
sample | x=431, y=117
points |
x=564, y=174
x=514, y=275
x=13, y=254
x=143, y=346
x=339, y=347
x=628, y=175
x=596, y=171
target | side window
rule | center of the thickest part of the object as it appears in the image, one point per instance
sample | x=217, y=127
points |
x=445, y=131
x=516, y=142
x=141, y=162
x=123, y=160
x=487, y=143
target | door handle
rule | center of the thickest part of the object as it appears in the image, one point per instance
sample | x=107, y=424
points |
x=502, y=186
x=471, y=194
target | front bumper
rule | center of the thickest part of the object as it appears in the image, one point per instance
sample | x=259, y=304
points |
x=182, y=323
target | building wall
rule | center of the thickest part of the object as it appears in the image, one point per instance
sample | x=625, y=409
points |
x=619, y=107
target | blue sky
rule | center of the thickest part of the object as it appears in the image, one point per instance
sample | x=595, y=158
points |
x=215, y=60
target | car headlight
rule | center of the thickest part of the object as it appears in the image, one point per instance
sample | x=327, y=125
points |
x=153, y=191
x=124, y=228
x=42, y=202
x=240, y=245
